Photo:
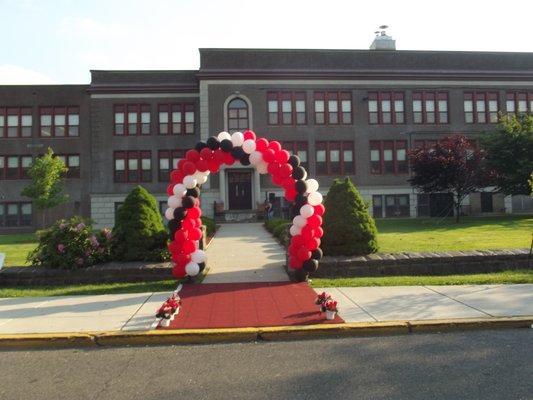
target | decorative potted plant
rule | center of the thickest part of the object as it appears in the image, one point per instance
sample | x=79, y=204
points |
x=168, y=310
x=330, y=307
x=321, y=299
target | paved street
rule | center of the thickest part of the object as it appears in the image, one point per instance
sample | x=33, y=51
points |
x=470, y=365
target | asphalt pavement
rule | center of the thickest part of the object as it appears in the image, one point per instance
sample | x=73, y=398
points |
x=461, y=365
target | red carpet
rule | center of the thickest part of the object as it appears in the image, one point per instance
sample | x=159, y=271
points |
x=238, y=305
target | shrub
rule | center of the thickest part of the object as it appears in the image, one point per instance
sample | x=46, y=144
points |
x=272, y=223
x=139, y=233
x=281, y=232
x=348, y=227
x=71, y=244
x=209, y=225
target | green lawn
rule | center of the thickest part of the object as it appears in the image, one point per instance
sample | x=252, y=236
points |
x=495, y=278
x=16, y=247
x=471, y=233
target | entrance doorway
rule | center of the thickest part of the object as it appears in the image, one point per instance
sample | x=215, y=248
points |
x=486, y=202
x=240, y=190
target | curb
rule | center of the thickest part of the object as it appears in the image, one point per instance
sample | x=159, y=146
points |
x=232, y=335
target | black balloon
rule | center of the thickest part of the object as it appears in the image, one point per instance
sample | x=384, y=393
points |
x=199, y=146
x=301, y=275
x=194, y=192
x=245, y=160
x=188, y=202
x=179, y=213
x=294, y=161
x=310, y=265
x=237, y=153
x=301, y=186
x=299, y=173
x=317, y=254
x=213, y=143
x=173, y=226
x=226, y=145
x=300, y=199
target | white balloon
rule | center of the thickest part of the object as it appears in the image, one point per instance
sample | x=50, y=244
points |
x=192, y=269
x=189, y=182
x=312, y=185
x=237, y=139
x=256, y=157
x=295, y=230
x=198, y=175
x=174, y=202
x=299, y=221
x=223, y=135
x=314, y=198
x=248, y=146
x=262, y=167
x=203, y=180
x=199, y=256
x=179, y=190
x=169, y=213
x=307, y=210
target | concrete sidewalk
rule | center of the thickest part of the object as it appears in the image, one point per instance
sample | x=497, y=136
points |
x=135, y=312
x=245, y=252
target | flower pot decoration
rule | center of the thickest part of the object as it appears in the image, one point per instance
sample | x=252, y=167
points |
x=321, y=299
x=208, y=157
x=330, y=308
x=168, y=310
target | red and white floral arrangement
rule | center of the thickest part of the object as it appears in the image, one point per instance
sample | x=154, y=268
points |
x=168, y=310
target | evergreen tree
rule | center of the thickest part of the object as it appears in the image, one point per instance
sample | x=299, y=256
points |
x=139, y=233
x=348, y=227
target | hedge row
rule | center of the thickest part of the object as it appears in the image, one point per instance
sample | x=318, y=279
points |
x=210, y=225
x=280, y=229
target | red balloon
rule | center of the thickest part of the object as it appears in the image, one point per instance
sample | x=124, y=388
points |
x=194, y=212
x=174, y=247
x=206, y=153
x=308, y=232
x=228, y=159
x=176, y=176
x=319, y=232
x=319, y=209
x=219, y=155
x=261, y=144
x=192, y=155
x=181, y=235
x=297, y=240
x=170, y=189
x=295, y=263
x=181, y=259
x=313, y=244
x=277, y=180
x=273, y=168
x=282, y=156
x=249, y=135
x=195, y=234
x=198, y=222
x=290, y=194
x=288, y=182
x=292, y=250
x=214, y=165
x=181, y=163
x=202, y=165
x=189, y=247
x=274, y=145
x=314, y=221
x=188, y=168
x=269, y=155
x=187, y=224
x=303, y=254
x=178, y=272
x=285, y=170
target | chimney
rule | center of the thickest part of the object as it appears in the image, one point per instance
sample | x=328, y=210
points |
x=382, y=41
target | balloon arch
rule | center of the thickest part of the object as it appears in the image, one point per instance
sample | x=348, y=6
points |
x=285, y=170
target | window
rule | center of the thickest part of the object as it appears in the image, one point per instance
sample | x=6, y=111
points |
x=481, y=107
x=424, y=144
x=238, y=115
x=377, y=206
x=286, y=108
x=15, y=122
x=299, y=149
x=132, y=119
x=15, y=167
x=72, y=162
x=388, y=157
x=335, y=158
x=397, y=205
x=430, y=108
x=59, y=121
x=386, y=108
x=176, y=119
x=519, y=103
x=15, y=214
x=168, y=160
x=133, y=166
x=333, y=108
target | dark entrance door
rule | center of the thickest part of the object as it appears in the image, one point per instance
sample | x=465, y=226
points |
x=486, y=202
x=240, y=190
x=440, y=204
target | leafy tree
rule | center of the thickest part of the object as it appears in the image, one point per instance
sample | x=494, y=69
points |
x=348, y=227
x=509, y=151
x=47, y=178
x=451, y=167
x=139, y=233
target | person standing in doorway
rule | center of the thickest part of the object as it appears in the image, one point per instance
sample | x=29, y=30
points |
x=268, y=210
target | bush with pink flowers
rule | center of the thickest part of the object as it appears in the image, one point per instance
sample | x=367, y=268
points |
x=71, y=244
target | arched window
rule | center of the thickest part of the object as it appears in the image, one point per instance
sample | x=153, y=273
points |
x=237, y=115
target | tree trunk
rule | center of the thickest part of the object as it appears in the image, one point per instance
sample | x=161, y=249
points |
x=44, y=219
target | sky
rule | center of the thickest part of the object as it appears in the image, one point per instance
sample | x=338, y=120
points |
x=60, y=41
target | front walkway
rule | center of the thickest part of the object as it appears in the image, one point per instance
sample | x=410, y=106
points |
x=245, y=252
